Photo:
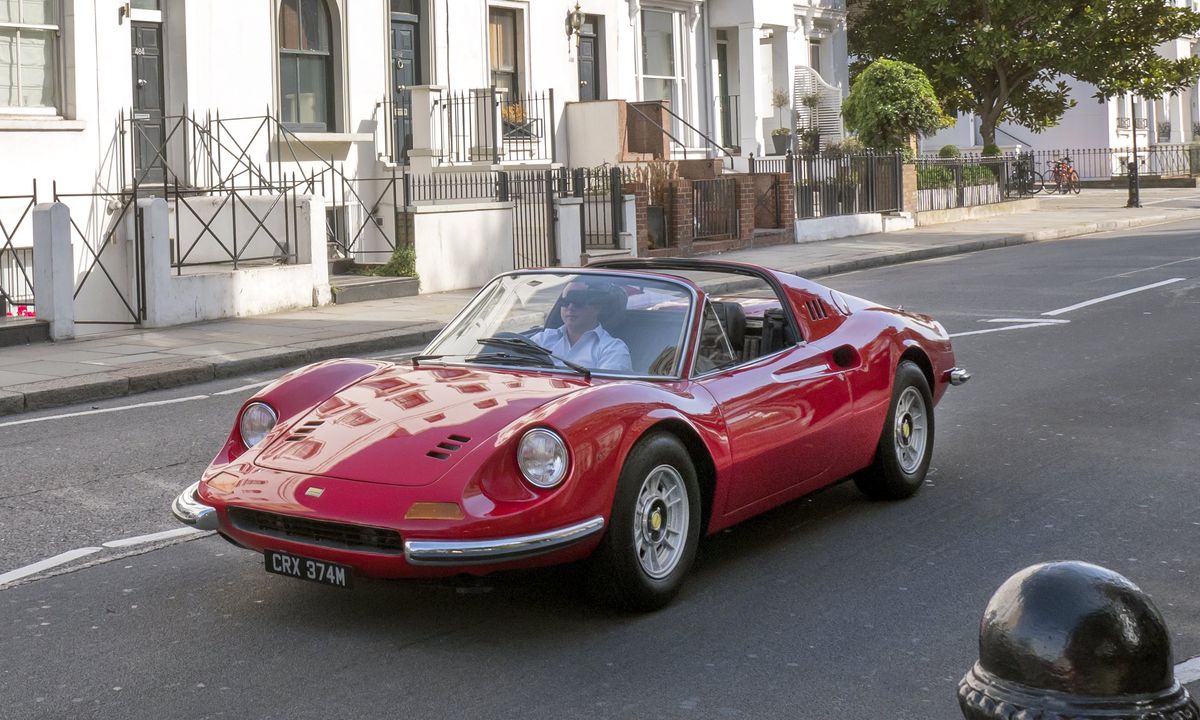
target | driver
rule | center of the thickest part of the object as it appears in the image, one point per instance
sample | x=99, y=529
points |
x=582, y=339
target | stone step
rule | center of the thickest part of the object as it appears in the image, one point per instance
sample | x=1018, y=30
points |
x=360, y=288
x=23, y=331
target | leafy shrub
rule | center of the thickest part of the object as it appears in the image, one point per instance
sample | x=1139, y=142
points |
x=992, y=150
x=978, y=175
x=850, y=146
x=934, y=176
x=403, y=263
x=949, y=151
x=890, y=102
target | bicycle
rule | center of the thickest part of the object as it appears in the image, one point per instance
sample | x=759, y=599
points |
x=1065, y=178
x=1029, y=181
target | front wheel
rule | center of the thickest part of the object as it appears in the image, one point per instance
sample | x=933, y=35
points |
x=906, y=444
x=1073, y=182
x=1036, y=182
x=654, y=528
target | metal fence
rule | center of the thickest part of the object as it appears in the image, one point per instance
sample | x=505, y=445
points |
x=714, y=209
x=485, y=125
x=1096, y=164
x=16, y=263
x=945, y=183
x=603, y=218
x=830, y=184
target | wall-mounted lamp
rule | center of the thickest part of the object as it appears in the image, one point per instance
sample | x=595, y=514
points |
x=575, y=22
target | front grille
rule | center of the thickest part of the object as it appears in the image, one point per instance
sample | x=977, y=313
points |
x=318, y=532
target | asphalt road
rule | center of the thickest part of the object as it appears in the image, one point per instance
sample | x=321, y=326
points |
x=1075, y=440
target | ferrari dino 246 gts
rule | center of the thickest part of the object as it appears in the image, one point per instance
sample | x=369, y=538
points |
x=611, y=414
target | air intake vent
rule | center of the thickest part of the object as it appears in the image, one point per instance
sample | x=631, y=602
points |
x=817, y=309
x=317, y=532
x=301, y=432
x=448, y=446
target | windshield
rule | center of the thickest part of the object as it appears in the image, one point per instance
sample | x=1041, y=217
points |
x=610, y=324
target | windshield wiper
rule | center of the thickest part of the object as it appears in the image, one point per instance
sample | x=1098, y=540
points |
x=520, y=342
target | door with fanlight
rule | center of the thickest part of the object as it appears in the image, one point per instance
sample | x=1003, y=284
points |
x=405, y=61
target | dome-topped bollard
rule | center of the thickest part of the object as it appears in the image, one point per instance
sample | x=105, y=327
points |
x=1073, y=640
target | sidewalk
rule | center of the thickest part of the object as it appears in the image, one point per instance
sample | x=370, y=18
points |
x=113, y=364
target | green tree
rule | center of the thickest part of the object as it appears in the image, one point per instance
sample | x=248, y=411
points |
x=890, y=102
x=1006, y=60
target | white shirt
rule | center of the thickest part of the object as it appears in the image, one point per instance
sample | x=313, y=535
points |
x=595, y=350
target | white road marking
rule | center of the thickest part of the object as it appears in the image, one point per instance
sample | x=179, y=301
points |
x=1156, y=267
x=1043, y=321
x=152, y=537
x=46, y=564
x=1123, y=293
x=1188, y=671
x=103, y=410
x=1002, y=329
x=243, y=388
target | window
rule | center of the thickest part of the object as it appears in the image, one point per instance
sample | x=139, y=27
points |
x=29, y=54
x=504, y=50
x=814, y=54
x=660, y=78
x=305, y=65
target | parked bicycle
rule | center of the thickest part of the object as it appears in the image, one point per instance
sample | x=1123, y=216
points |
x=1028, y=180
x=1063, y=174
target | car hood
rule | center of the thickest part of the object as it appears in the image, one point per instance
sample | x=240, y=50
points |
x=409, y=426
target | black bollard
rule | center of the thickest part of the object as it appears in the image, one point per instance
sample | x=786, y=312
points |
x=1135, y=193
x=1073, y=640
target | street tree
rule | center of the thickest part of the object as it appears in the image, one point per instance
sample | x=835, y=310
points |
x=890, y=102
x=1007, y=60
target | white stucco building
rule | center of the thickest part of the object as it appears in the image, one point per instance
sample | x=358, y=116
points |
x=100, y=96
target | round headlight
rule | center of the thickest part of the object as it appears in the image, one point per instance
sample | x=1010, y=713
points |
x=257, y=420
x=542, y=456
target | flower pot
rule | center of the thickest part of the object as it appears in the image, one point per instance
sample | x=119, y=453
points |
x=781, y=143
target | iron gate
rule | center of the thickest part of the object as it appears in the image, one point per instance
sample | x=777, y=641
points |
x=111, y=289
x=714, y=204
x=532, y=196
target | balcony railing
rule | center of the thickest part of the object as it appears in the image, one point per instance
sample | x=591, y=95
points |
x=488, y=125
x=1124, y=123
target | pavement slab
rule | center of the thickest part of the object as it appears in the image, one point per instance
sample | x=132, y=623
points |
x=121, y=362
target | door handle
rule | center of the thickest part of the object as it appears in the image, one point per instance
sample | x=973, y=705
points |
x=583, y=82
x=141, y=83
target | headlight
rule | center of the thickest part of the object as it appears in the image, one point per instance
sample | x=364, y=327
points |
x=542, y=456
x=257, y=420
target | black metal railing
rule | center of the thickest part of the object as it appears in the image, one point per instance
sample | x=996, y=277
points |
x=486, y=125
x=16, y=262
x=830, y=184
x=393, y=128
x=687, y=139
x=603, y=217
x=715, y=209
x=945, y=183
x=1163, y=160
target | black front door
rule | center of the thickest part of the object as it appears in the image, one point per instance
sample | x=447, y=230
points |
x=405, y=54
x=723, y=99
x=148, y=109
x=589, y=68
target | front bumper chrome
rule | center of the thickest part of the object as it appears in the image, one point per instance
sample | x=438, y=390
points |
x=188, y=509
x=517, y=547
x=958, y=376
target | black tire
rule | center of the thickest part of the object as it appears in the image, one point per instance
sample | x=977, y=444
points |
x=1037, y=182
x=617, y=572
x=1073, y=182
x=899, y=468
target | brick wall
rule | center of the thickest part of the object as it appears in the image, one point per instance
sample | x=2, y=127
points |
x=745, y=205
x=908, y=183
x=641, y=200
x=787, y=202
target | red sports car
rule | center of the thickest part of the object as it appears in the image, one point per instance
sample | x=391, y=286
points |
x=611, y=414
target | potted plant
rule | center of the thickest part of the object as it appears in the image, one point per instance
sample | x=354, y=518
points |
x=782, y=139
x=515, y=121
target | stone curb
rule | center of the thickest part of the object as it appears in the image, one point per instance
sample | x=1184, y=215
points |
x=178, y=373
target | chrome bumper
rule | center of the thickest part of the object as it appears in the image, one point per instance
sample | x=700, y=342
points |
x=518, y=547
x=188, y=509
x=958, y=376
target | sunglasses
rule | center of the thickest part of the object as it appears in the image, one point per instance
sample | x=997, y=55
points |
x=579, y=298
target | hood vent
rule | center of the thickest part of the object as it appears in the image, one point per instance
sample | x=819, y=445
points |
x=450, y=445
x=303, y=431
x=817, y=309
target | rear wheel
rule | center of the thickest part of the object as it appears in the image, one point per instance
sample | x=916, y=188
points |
x=653, y=530
x=1073, y=182
x=906, y=444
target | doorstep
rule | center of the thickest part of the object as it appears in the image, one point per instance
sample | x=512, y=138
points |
x=23, y=331
x=360, y=288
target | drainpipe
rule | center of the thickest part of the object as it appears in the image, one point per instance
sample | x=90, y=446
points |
x=706, y=101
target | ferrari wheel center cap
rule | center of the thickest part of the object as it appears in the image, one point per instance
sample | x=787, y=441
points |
x=906, y=428
x=655, y=520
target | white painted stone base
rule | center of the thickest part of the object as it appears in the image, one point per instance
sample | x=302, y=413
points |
x=840, y=226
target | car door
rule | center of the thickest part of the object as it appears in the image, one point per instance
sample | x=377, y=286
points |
x=784, y=413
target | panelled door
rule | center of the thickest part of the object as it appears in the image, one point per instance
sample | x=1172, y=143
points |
x=589, y=67
x=405, y=74
x=148, y=107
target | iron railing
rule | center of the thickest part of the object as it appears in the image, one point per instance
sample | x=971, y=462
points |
x=16, y=262
x=830, y=184
x=603, y=217
x=485, y=125
x=944, y=183
x=695, y=140
x=393, y=128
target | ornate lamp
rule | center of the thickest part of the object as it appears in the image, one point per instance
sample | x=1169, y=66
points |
x=575, y=22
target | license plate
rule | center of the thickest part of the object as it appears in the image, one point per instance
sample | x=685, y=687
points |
x=317, y=571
